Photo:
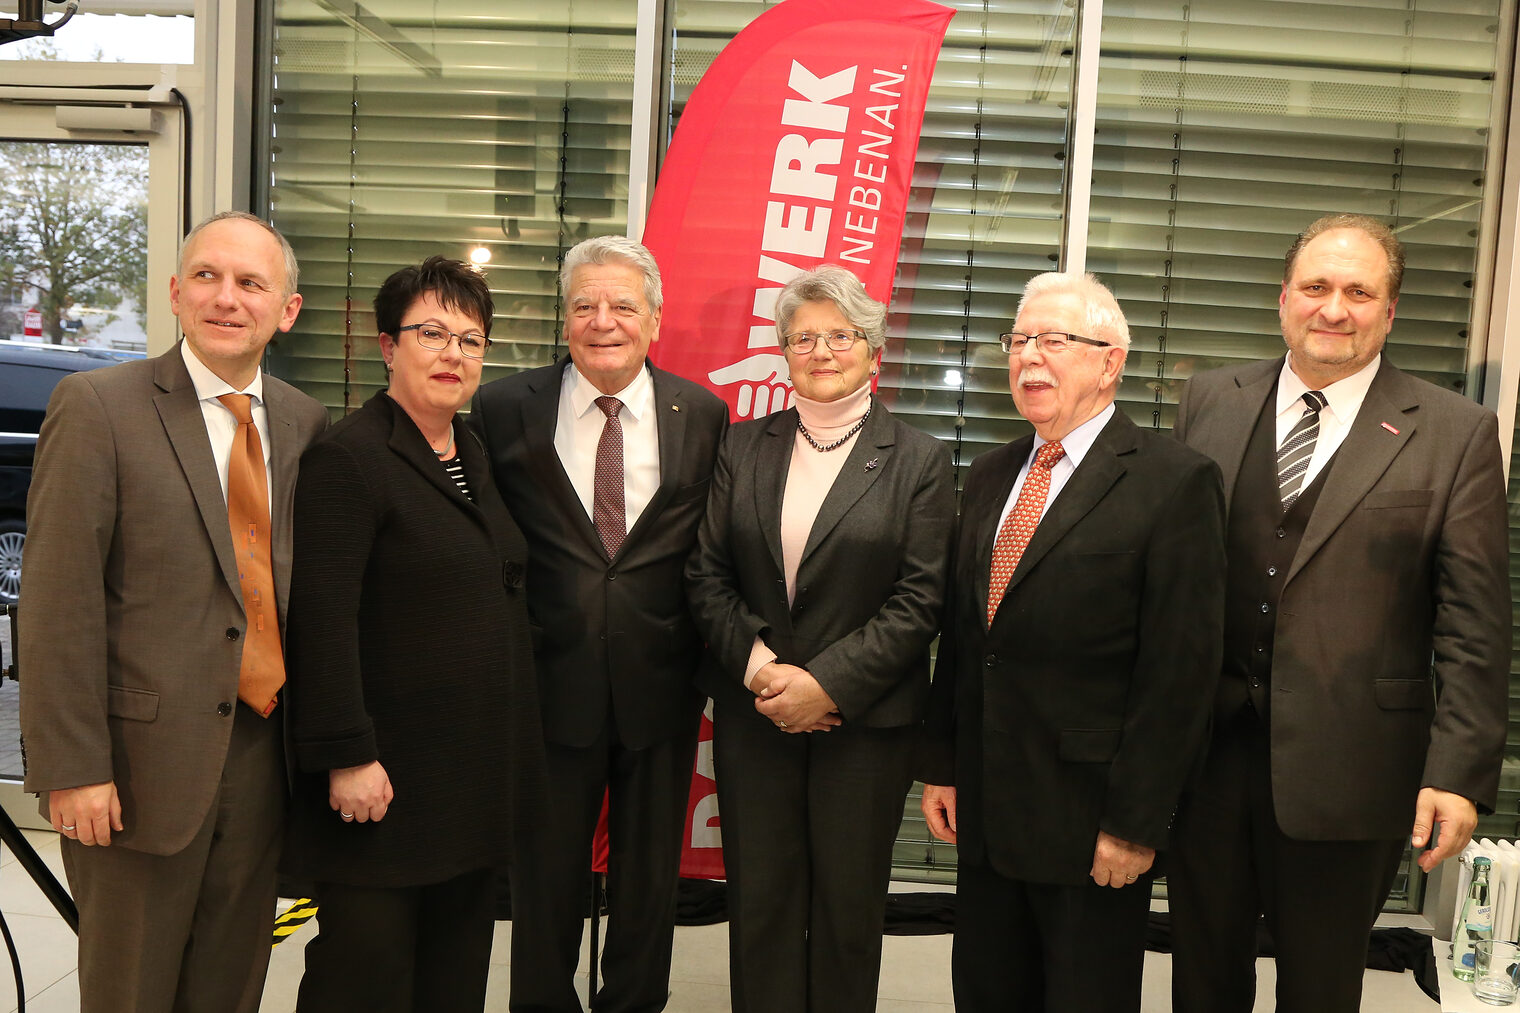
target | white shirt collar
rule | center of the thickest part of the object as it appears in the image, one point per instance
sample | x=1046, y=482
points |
x=208, y=385
x=637, y=397
x=1344, y=395
x=1079, y=441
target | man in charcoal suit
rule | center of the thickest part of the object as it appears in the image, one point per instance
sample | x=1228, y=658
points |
x=604, y=462
x=1080, y=650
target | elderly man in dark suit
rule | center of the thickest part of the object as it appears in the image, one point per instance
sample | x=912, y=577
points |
x=1080, y=650
x=605, y=462
x=152, y=604
x=1367, y=635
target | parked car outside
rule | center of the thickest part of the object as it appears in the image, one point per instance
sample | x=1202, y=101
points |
x=28, y=374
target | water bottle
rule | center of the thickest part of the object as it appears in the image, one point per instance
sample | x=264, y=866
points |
x=1477, y=921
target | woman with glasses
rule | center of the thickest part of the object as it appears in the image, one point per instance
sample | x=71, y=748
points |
x=817, y=580
x=413, y=710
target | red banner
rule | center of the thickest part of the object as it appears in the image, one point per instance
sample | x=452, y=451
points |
x=795, y=150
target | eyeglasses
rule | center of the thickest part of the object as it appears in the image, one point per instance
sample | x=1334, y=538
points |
x=1049, y=342
x=842, y=340
x=472, y=343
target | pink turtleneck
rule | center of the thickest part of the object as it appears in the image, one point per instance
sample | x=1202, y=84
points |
x=808, y=480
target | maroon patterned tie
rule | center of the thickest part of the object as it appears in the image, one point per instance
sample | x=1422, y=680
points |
x=607, y=510
x=1018, y=527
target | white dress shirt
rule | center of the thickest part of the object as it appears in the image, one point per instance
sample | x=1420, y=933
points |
x=578, y=429
x=221, y=424
x=1345, y=397
x=1076, y=444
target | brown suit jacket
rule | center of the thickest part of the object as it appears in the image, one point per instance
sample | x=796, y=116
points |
x=131, y=619
x=1391, y=654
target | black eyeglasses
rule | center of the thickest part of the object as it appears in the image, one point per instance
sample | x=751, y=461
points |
x=471, y=343
x=842, y=340
x=1049, y=342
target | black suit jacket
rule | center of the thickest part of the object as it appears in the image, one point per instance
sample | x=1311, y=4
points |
x=1391, y=654
x=611, y=634
x=408, y=644
x=1084, y=706
x=871, y=581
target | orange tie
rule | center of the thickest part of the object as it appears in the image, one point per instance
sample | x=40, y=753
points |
x=263, y=671
x=1018, y=527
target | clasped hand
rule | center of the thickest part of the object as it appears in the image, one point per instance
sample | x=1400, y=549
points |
x=793, y=699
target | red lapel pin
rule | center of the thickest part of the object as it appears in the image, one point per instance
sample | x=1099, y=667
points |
x=1390, y=429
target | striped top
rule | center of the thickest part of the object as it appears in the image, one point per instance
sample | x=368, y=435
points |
x=455, y=467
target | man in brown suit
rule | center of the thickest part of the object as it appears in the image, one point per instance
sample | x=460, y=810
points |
x=139, y=617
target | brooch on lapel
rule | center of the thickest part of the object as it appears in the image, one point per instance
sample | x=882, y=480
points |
x=675, y=407
x=872, y=464
x=1390, y=429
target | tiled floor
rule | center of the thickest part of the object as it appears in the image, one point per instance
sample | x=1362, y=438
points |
x=915, y=969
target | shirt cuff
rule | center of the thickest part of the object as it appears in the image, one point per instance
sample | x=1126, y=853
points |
x=759, y=657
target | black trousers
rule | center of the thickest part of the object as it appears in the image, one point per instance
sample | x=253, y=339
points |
x=809, y=821
x=415, y=949
x=1231, y=865
x=647, y=791
x=1023, y=947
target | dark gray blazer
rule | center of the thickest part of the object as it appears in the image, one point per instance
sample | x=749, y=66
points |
x=871, y=582
x=611, y=635
x=132, y=622
x=1391, y=657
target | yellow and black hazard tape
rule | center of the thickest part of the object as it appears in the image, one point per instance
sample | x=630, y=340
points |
x=294, y=917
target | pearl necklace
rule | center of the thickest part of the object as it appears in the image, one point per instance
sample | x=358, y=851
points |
x=824, y=448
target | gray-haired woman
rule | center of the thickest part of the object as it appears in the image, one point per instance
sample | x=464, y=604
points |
x=818, y=580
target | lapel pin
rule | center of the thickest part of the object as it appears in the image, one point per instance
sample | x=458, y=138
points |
x=675, y=407
x=872, y=463
x=1390, y=429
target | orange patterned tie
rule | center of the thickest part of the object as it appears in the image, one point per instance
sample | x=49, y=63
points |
x=263, y=671
x=1018, y=527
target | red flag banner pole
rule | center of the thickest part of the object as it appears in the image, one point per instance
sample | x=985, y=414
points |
x=796, y=149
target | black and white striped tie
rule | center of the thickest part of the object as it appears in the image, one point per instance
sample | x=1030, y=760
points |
x=1294, y=454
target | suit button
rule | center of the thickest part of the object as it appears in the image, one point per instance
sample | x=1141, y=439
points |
x=224, y=708
x=1255, y=683
x=232, y=633
x=991, y=660
x=1265, y=607
x=1271, y=571
x=1281, y=533
x=612, y=575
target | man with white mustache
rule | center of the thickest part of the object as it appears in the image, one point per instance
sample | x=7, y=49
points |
x=1080, y=650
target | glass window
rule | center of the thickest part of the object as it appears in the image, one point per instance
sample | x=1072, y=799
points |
x=1223, y=129
x=403, y=132
x=103, y=36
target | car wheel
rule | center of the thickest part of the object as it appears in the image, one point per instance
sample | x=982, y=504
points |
x=12, y=538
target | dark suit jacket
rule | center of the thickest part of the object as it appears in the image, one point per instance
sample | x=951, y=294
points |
x=871, y=582
x=612, y=635
x=409, y=645
x=132, y=618
x=1084, y=706
x=1402, y=575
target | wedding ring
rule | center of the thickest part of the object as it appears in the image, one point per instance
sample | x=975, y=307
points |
x=784, y=724
x=1129, y=879
x=69, y=828
x=347, y=816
